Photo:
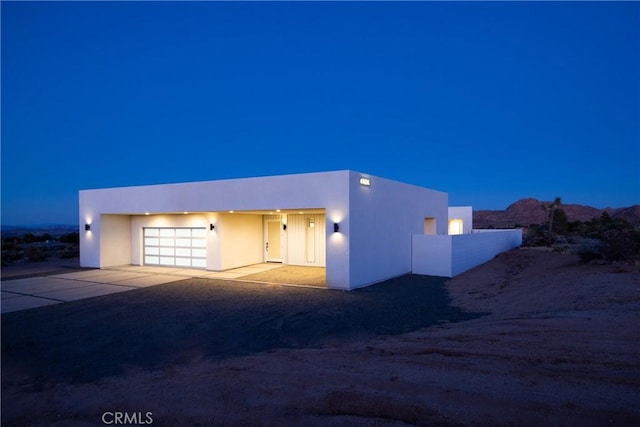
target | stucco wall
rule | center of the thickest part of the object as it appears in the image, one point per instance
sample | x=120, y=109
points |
x=431, y=255
x=449, y=256
x=470, y=250
x=115, y=245
x=383, y=218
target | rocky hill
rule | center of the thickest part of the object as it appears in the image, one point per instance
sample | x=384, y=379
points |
x=532, y=211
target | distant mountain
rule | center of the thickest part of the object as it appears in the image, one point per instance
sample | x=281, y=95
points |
x=529, y=211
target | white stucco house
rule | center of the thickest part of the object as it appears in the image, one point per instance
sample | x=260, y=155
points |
x=363, y=229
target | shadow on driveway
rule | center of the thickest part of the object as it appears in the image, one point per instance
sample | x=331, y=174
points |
x=193, y=319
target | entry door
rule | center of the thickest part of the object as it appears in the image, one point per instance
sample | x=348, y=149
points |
x=272, y=244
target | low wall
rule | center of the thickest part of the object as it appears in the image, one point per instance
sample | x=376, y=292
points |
x=431, y=255
x=471, y=250
x=449, y=256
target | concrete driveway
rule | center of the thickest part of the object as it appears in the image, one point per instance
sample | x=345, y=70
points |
x=22, y=294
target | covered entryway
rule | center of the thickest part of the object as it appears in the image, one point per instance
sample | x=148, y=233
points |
x=175, y=247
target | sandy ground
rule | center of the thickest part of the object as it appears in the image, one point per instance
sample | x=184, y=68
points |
x=558, y=344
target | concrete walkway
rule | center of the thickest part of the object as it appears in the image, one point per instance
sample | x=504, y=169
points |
x=22, y=294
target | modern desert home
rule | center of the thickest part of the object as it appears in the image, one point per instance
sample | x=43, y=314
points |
x=363, y=229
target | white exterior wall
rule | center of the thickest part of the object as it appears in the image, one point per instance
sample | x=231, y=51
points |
x=431, y=255
x=470, y=250
x=449, y=256
x=324, y=190
x=382, y=219
x=115, y=246
x=465, y=213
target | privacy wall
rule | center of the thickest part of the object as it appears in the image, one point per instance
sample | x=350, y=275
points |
x=449, y=256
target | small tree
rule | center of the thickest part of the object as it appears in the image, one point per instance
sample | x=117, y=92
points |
x=552, y=210
x=560, y=221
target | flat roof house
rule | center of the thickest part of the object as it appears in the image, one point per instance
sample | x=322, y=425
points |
x=362, y=228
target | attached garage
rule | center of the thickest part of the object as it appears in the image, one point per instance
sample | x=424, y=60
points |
x=175, y=247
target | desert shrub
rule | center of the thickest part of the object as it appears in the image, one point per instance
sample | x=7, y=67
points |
x=9, y=243
x=577, y=228
x=561, y=244
x=597, y=227
x=35, y=254
x=560, y=221
x=621, y=245
x=589, y=249
x=71, y=238
x=10, y=256
x=69, y=253
x=537, y=235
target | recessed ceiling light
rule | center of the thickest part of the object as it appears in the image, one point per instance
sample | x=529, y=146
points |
x=230, y=211
x=147, y=213
x=277, y=210
x=185, y=212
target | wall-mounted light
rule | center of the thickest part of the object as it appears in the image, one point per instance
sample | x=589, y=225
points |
x=284, y=227
x=212, y=227
x=87, y=227
x=336, y=227
x=365, y=181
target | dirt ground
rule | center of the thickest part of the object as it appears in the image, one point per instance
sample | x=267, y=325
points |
x=307, y=276
x=530, y=338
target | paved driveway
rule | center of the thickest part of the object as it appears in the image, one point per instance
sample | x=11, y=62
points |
x=21, y=294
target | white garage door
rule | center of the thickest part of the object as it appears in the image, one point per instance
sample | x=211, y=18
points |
x=176, y=247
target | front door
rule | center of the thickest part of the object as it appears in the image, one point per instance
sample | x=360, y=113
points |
x=272, y=246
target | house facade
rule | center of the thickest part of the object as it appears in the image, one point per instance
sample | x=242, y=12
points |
x=359, y=227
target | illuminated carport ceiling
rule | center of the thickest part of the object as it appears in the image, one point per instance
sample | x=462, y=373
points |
x=282, y=211
x=252, y=212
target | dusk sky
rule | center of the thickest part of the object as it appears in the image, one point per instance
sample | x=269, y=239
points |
x=490, y=102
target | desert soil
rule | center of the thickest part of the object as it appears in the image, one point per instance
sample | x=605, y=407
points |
x=531, y=338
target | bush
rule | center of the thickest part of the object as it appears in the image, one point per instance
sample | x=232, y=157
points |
x=621, y=245
x=10, y=256
x=537, y=235
x=69, y=253
x=34, y=254
x=590, y=249
x=70, y=238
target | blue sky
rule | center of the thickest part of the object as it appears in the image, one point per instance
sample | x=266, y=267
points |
x=488, y=101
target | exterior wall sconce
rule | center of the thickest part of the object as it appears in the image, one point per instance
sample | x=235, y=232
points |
x=212, y=227
x=336, y=227
x=87, y=227
x=284, y=227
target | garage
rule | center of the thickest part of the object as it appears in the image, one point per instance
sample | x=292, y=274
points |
x=175, y=247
